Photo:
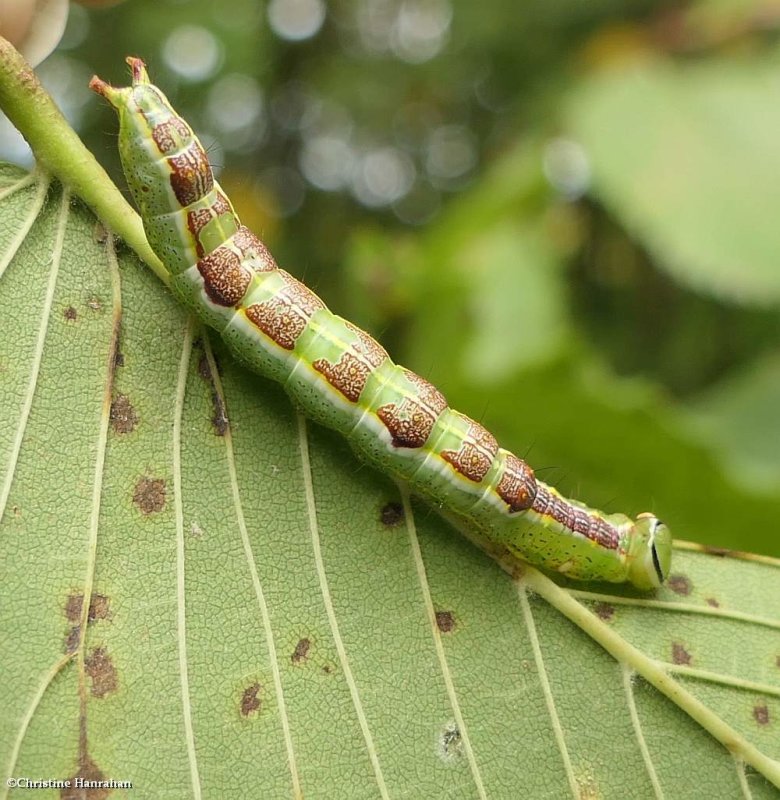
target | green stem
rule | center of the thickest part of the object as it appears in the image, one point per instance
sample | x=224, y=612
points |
x=59, y=151
x=652, y=671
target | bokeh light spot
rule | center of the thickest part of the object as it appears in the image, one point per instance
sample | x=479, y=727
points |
x=451, y=152
x=296, y=20
x=566, y=167
x=327, y=162
x=192, y=52
x=383, y=176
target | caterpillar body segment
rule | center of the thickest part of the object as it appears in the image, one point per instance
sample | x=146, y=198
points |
x=341, y=377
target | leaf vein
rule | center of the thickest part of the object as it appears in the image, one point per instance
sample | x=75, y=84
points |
x=636, y=723
x=255, y=576
x=438, y=645
x=685, y=608
x=180, y=586
x=303, y=445
x=35, y=367
x=723, y=680
x=739, y=765
x=48, y=678
x=24, y=228
x=549, y=700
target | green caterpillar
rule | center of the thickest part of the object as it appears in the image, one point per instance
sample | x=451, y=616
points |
x=339, y=376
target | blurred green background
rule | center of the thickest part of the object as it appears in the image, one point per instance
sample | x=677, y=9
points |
x=565, y=214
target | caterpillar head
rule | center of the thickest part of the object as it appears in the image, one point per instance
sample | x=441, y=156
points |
x=650, y=552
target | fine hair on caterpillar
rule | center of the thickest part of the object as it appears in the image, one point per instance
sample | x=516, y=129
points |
x=339, y=376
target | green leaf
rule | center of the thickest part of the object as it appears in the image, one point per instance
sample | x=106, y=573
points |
x=738, y=421
x=270, y=618
x=687, y=158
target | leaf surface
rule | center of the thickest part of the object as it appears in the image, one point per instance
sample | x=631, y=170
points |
x=271, y=618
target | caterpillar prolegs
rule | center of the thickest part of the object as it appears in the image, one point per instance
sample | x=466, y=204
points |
x=341, y=377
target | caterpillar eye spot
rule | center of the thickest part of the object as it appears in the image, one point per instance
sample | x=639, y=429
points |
x=657, y=565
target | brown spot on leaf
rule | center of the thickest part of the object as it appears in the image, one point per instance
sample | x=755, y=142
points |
x=149, y=495
x=219, y=419
x=604, y=611
x=328, y=669
x=301, y=652
x=680, y=584
x=721, y=552
x=122, y=415
x=100, y=233
x=445, y=621
x=119, y=357
x=450, y=744
x=99, y=666
x=85, y=784
x=251, y=700
x=98, y=607
x=72, y=639
x=711, y=601
x=73, y=607
x=588, y=787
x=70, y=314
x=680, y=655
x=392, y=514
x=204, y=370
x=761, y=715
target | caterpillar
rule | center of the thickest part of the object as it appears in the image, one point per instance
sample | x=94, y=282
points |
x=339, y=376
